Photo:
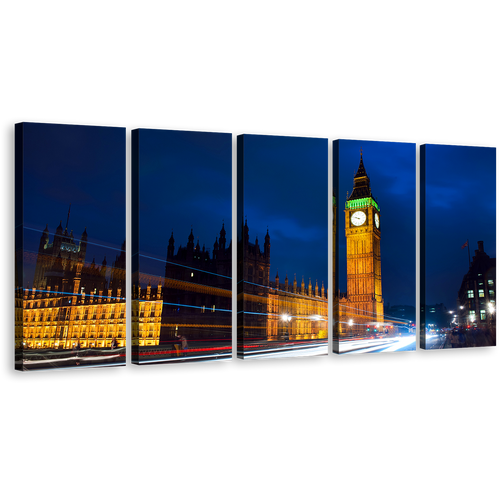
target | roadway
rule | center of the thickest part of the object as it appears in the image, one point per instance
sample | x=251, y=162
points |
x=200, y=351
x=43, y=359
x=384, y=344
x=435, y=341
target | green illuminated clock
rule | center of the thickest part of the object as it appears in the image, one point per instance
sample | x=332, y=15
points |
x=358, y=218
x=377, y=221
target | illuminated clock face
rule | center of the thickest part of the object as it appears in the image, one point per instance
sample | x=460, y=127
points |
x=377, y=221
x=358, y=218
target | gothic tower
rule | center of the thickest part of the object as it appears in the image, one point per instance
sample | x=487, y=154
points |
x=364, y=276
x=64, y=245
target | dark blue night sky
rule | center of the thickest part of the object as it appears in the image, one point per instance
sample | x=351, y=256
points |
x=185, y=181
x=460, y=205
x=79, y=165
x=286, y=190
x=391, y=169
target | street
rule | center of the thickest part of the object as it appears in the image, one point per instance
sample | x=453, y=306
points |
x=211, y=351
x=435, y=341
x=386, y=344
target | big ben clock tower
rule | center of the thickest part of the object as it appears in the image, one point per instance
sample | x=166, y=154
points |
x=364, y=276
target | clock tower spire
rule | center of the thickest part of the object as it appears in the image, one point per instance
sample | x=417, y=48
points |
x=364, y=276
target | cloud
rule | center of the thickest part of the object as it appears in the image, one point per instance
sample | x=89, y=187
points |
x=445, y=197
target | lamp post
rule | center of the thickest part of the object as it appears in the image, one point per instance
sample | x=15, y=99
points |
x=285, y=318
x=491, y=310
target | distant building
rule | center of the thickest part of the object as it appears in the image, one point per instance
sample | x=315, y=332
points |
x=406, y=313
x=202, y=284
x=438, y=316
x=73, y=302
x=476, y=302
x=194, y=298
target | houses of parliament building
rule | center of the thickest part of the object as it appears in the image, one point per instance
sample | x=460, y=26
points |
x=73, y=302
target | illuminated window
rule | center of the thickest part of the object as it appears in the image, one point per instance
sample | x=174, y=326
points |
x=480, y=293
x=491, y=292
x=490, y=283
x=470, y=294
x=483, y=314
x=192, y=275
x=213, y=308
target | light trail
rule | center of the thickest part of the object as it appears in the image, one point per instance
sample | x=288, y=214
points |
x=375, y=345
x=206, y=357
x=288, y=352
x=401, y=344
x=71, y=358
x=163, y=261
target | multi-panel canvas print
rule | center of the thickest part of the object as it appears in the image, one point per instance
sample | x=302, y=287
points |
x=70, y=269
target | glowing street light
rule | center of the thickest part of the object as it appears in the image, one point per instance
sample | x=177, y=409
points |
x=286, y=319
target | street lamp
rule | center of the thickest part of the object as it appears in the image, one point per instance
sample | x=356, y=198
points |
x=350, y=327
x=491, y=310
x=286, y=318
x=472, y=318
